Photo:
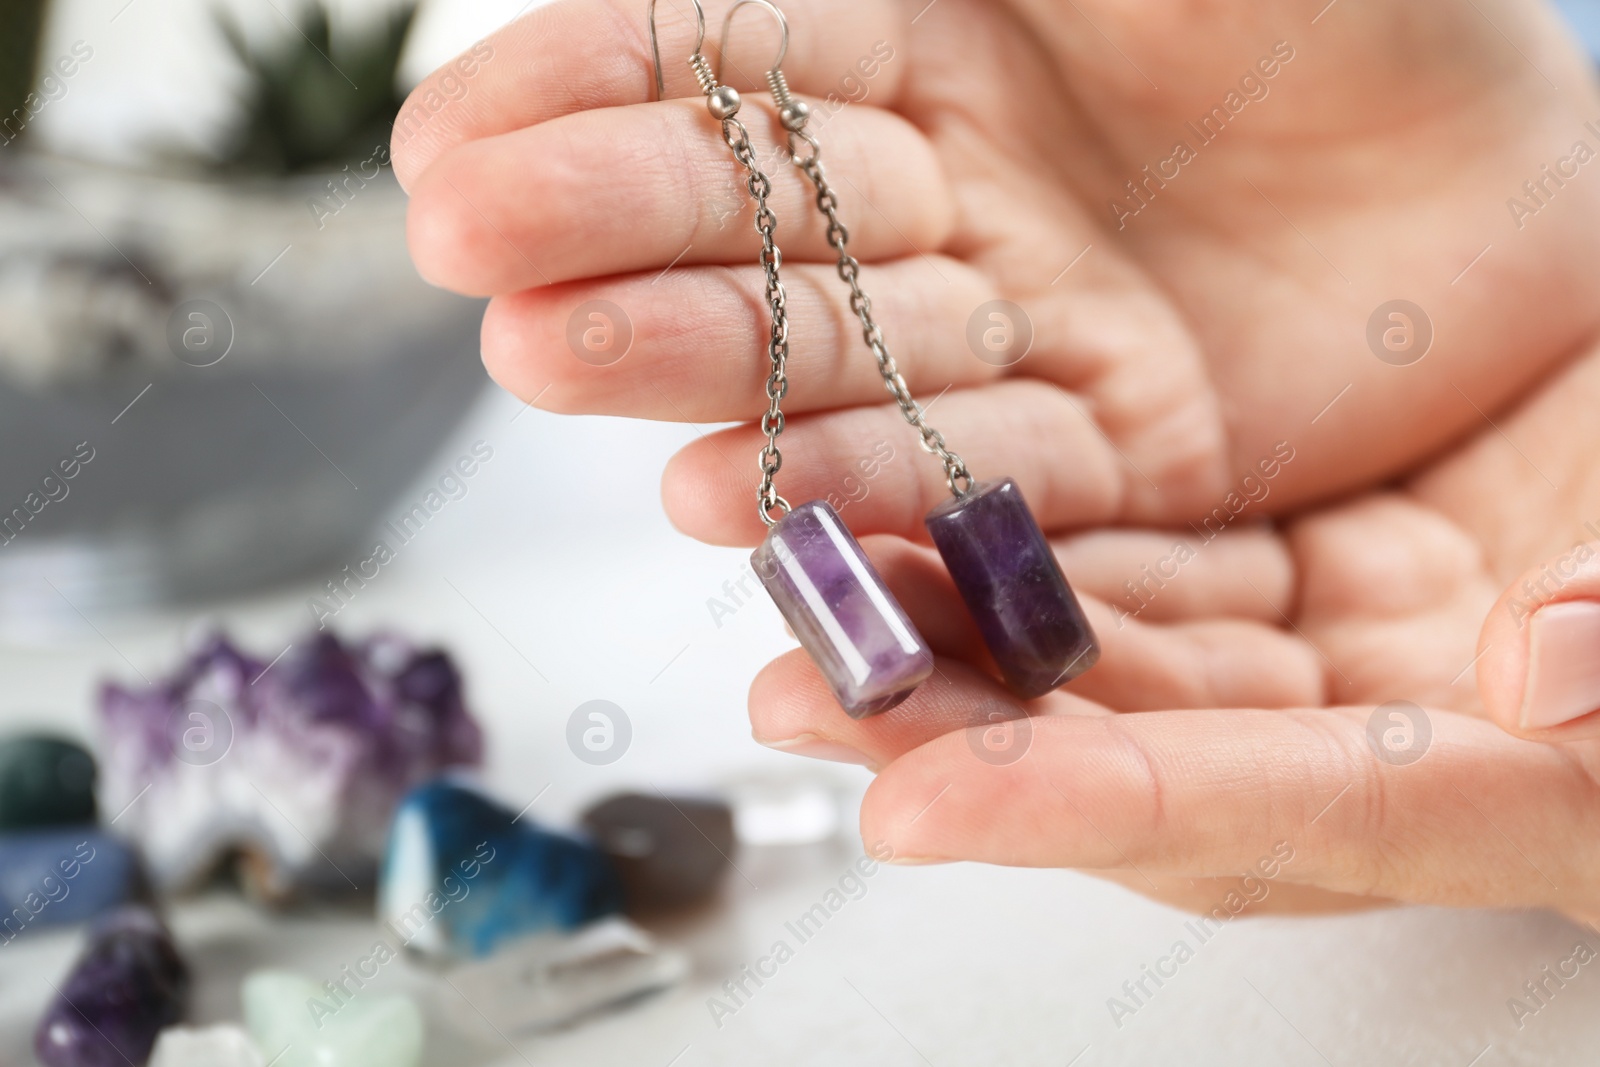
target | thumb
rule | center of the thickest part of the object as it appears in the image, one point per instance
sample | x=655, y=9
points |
x=1539, y=665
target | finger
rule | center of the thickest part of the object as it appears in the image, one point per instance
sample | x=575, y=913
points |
x=580, y=54
x=654, y=185
x=1142, y=666
x=688, y=345
x=1480, y=819
x=1014, y=428
x=1189, y=665
x=1393, y=594
x=1159, y=576
x=793, y=710
x=1539, y=665
x=1223, y=898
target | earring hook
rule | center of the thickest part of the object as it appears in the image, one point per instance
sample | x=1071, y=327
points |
x=727, y=24
x=792, y=113
x=655, y=48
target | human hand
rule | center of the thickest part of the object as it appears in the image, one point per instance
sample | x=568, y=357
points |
x=1485, y=565
x=1176, y=343
x=982, y=160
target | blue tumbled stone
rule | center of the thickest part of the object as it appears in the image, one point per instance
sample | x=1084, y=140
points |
x=462, y=875
x=49, y=877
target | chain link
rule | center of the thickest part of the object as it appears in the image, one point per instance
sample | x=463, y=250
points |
x=760, y=187
x=956, y=475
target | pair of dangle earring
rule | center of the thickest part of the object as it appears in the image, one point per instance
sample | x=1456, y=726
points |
x=834, y=600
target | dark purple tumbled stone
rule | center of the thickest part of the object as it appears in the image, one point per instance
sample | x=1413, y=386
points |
x=129, y=984
x=844, y=616
x=1004, y=569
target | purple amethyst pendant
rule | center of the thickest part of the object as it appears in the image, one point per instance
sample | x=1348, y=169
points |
x=1004, y=569
x=845, y=617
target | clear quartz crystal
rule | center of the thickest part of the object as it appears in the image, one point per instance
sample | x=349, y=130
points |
x=1005, y=571
x=214, y=1046
x=840, y=610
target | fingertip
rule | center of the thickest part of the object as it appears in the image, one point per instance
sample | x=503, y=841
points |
x=1539, y=651
x=784, y=697
x=895, y=809
x=444, y=234
x=696, y=488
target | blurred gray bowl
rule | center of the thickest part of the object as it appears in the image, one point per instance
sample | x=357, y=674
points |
x=256, y=375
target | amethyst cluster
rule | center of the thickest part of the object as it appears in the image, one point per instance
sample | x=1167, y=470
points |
x=294, y=764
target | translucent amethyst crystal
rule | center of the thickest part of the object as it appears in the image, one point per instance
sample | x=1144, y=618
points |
x=838, y=607
x=1005, y=571
x=129, y=984
x=296, y=763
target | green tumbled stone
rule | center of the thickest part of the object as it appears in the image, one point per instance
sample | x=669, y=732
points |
x=297, y=1023
x=45, y=781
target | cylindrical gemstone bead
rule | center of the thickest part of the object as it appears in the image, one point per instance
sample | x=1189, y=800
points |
x=845, y=617
x=1004, y=569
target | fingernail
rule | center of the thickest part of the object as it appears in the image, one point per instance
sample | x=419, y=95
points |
x=817, y=747
x=1563, y=664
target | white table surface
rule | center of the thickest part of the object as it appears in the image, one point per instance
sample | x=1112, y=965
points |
x=563, y=560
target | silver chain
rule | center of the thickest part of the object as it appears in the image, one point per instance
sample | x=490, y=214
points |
x=760, y=187
x=956, y=475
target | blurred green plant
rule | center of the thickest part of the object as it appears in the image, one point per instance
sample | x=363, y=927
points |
x=312, y=102
x=21, y=33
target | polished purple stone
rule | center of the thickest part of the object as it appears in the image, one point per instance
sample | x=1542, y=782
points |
x=129, y=984
x=842, y=613
x=1004, y=569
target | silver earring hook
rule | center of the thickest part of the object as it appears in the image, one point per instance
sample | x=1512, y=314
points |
x=792, y=113
x=727, y=24
x=655, y=48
